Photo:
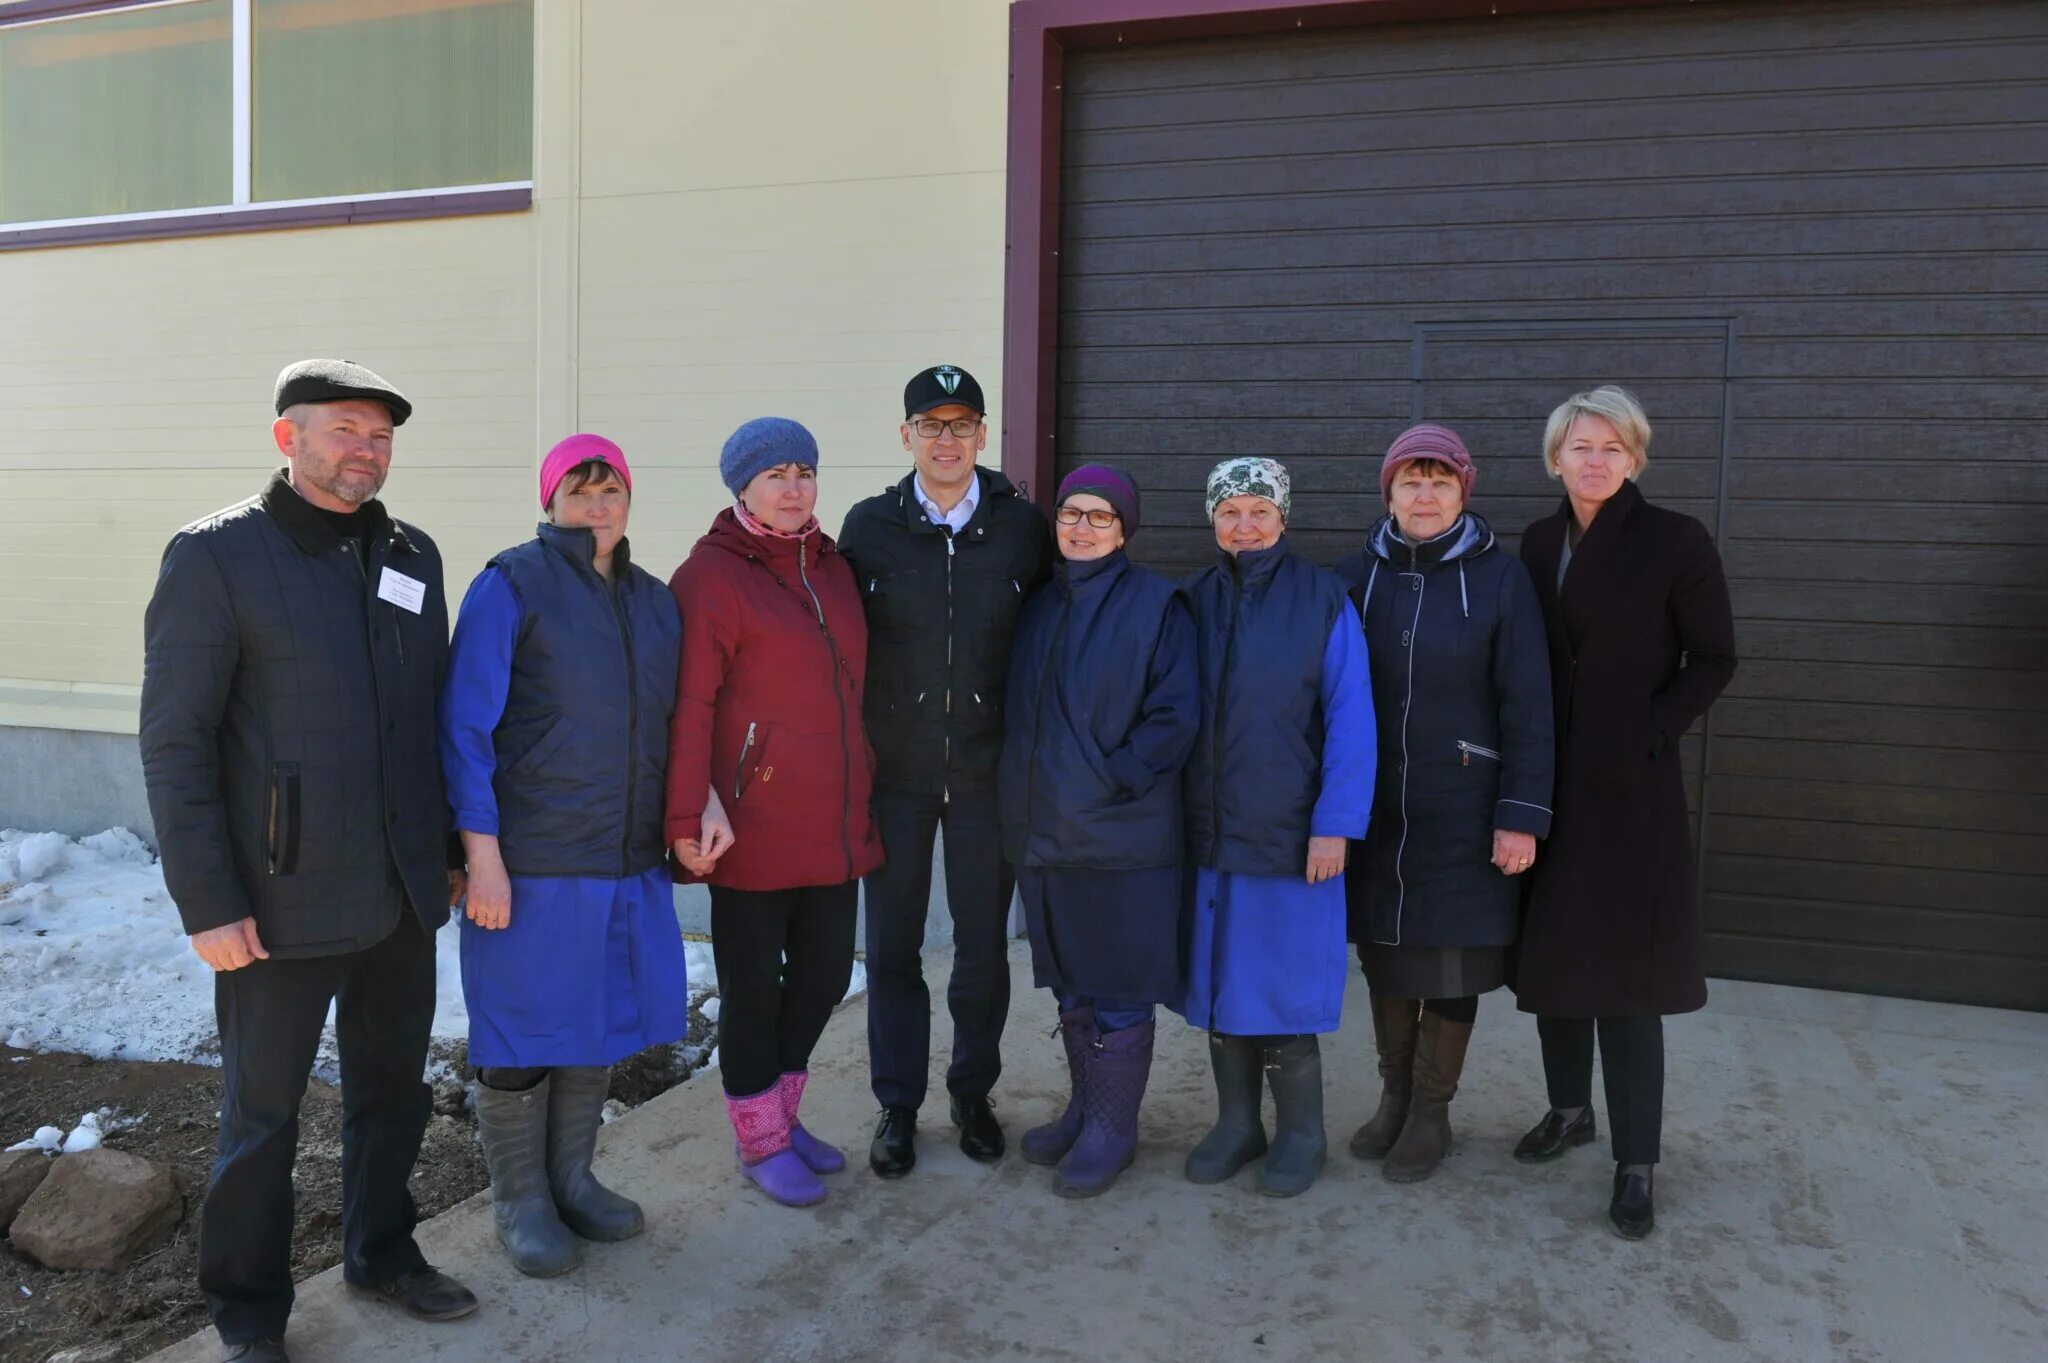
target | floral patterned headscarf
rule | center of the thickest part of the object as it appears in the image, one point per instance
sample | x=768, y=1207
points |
x=1248, y=476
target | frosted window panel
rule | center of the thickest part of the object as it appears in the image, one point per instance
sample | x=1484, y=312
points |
x=129, y=112
x=369, y=96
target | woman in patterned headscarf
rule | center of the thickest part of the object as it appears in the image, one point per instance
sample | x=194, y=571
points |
x=1281, y=777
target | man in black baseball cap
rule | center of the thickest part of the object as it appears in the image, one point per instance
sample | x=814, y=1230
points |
x=292, y=659
x=944, y=560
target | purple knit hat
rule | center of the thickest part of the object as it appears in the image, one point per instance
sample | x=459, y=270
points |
x=1427, y=441
x=1105, y=482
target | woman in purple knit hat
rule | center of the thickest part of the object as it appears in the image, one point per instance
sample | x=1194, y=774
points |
x=1103, y=706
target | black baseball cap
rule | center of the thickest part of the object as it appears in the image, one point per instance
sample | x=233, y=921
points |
x=943, y=385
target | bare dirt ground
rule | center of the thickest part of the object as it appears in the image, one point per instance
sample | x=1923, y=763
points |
x=174, y=1109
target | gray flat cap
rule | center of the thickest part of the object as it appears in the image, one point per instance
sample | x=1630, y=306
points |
x=338, y=381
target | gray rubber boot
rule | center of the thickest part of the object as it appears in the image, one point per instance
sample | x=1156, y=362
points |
x=575, y=1111
x=1239, y=1136
x=514, y=1127
x=1294, y=1071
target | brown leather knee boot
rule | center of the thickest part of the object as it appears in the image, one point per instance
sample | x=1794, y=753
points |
x=1393, y=1033
x=1426, y=1136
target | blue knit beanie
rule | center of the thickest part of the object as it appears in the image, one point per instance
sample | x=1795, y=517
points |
x=761, y=444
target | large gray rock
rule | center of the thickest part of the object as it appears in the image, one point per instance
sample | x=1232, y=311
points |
x=96, y=1209
x=20, y=1172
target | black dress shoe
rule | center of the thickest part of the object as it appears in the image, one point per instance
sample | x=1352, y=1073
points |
x=893, y=1151
x=980, y=1137
x=425, y=1293
x=1633, y=1212
x=1552, y=1136
x=255, y=1351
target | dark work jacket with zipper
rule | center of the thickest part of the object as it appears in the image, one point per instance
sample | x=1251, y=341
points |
x=941, y=608
x=582, y=747
x=1104, y=706
x=287, y=734
x=1461, y=688
x=1262, y=621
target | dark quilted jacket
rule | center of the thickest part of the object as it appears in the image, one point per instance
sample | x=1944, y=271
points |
x=288, y=737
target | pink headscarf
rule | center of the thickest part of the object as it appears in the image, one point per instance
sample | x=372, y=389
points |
x=579, y=449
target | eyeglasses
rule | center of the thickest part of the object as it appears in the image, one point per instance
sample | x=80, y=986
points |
x=1099, y=520
x=961, y=426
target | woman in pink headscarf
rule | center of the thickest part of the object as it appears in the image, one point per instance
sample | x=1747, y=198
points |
x=554, y=743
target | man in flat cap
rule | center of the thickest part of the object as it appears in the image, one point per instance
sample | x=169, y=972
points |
x=294, y=650
x=944, y=559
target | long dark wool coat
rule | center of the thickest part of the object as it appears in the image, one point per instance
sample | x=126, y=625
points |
x=1641, y=642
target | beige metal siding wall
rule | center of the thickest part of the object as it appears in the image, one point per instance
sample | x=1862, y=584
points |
x=783, y=207
x=135, y=380
x=788, y=207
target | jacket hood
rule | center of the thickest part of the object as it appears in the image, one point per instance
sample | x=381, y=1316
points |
x=726, y=533
x=1468, y=538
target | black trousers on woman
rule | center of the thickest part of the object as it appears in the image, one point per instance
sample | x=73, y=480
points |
x=1632, y=1066
x=784, y=958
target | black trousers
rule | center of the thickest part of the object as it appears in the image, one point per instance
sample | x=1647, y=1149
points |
x=978, y=886
x=271, y=1014
x=784, y=958
x=1631, y=1065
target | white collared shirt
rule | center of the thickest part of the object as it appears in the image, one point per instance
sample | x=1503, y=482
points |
x=962, y=512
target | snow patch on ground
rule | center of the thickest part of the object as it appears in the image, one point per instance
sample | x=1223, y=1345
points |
x=93, y=958
x=92, y=1128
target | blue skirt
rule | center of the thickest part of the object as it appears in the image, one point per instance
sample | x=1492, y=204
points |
x=588, y=972
x=1266, y=955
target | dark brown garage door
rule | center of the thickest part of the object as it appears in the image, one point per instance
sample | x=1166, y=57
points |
x=1813, y=237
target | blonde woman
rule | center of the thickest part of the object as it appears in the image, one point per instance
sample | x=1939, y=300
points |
x=1641, y=642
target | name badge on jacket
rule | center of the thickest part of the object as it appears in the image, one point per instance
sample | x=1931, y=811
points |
x=401, y=590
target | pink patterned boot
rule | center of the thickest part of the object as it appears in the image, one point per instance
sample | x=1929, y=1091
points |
x=764, y=1150
x=820, y=1156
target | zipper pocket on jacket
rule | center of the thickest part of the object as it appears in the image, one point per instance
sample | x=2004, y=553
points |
x=1468, y=751
x=739, y=772
x=281, y=819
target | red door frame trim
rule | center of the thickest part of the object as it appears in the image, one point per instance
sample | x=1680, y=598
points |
x=1042, y=32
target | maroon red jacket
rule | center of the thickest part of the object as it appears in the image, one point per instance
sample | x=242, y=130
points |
x=775, y=651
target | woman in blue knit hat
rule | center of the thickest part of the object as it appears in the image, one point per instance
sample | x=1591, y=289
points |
x=1103, y=705
x=768, y=709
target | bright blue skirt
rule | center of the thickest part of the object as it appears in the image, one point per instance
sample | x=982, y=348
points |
x=1266, y=955
x=588, y=972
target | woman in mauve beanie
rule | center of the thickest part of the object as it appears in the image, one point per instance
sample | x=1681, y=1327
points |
x=1427, y=441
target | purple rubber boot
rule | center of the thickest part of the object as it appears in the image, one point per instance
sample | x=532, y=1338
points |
x=822, y=1156
x=1049, y=1144
x=1112, y=1088
x=764, y=1149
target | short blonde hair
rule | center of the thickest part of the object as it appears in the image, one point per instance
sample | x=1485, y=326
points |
x=1614, y=405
